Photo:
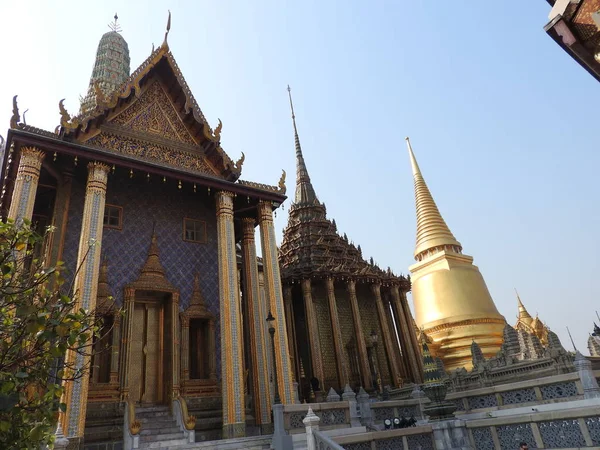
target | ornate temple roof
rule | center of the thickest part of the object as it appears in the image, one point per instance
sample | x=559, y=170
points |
x=312, y=246
x=432, y=231
x=160, y=75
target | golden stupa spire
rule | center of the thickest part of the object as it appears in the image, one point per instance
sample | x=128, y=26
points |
x=524, y=315
x=432, y=230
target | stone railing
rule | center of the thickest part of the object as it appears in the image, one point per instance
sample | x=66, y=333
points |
x=396, y=408
x=331, y=414
x=557, y=388
x=577, y=427
x=401, y=439
x=324, y=442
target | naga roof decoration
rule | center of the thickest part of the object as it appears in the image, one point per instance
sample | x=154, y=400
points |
x=312, y=246
x=280, y=188
x=159, y=68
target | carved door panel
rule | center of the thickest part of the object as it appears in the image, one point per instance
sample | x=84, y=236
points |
x=146, y=371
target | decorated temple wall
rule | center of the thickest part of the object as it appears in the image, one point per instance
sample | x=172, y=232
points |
x=325, y=336
x=143, y=204
x=370, y=322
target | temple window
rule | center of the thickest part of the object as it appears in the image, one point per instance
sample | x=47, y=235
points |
x=113, y=217
x=199, y=349
x=194, y=231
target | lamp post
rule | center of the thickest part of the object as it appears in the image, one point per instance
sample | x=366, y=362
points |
x=270, y=319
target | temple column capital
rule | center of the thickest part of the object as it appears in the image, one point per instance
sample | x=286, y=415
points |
x=26, y=183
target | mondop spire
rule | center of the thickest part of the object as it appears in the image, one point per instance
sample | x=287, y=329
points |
x=452, y=303
x=305, y=193
x=111, y=68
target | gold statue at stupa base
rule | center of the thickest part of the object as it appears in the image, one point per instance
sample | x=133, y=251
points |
x=452, y=303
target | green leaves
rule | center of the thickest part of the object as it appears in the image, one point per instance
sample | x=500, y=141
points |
x=39, y=323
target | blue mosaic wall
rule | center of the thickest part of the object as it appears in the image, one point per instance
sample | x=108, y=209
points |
x=144, y=203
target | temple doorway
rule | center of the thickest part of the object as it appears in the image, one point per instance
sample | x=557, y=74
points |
x=151, y=344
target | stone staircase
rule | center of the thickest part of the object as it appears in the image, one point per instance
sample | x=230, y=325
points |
x=159, y=428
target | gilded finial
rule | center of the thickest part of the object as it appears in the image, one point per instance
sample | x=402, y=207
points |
x=281, y=183
x=168, y=29
x=14, y=120
x=240, y=162
x=217, y=132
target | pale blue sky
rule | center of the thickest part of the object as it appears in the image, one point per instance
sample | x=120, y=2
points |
x=503, y=122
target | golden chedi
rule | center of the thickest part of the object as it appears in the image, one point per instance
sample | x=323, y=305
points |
x=452, y=303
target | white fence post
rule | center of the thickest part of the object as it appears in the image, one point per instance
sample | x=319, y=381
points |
x=311, y=422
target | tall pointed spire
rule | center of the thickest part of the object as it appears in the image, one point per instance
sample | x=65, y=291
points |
x=432, y=230
x=524, y=315
x=305, y=193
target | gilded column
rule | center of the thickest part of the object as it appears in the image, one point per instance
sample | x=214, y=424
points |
x=395, y=339
x=258, y=351
x=412, y=332
x=363, y=357
x=313, y=333
x=114, y=355
x=26, y=182
x=338, y=343
x=185, y=348
x=175, y=345
x=275, y=296
x=264, y=304
x=289, y=320
x=129, y=302
x=387, y=337
x=86, y=287
x=404, y=330
x=232, y=375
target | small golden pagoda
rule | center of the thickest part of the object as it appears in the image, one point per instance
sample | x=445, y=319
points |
x=452, y=303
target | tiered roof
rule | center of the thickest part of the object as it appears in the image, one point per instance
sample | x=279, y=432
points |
x=312, y=245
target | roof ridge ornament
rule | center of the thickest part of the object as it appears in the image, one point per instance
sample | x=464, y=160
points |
x=114, y=26
x=165, y=44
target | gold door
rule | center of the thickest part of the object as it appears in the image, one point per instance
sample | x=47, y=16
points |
x=147, y=353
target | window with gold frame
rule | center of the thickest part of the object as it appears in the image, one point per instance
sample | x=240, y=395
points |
x=194, y=231
x=113, y=217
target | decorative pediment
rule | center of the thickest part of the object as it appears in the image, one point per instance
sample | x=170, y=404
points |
x=154, y=114
x=197, y=307
x=154, y=111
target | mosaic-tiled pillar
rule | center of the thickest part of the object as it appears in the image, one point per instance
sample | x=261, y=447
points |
x=387, y=336
x=395, y=337
x=274, y=293
x=405, y=329
x=363, y=357
x=313, y=333
x=86, y=288
x=338, y=343
x=26, y=182
x=232, y=375
x=258, y=350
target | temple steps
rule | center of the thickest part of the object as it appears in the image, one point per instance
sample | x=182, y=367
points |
x=247, y=443
x=159, y=428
